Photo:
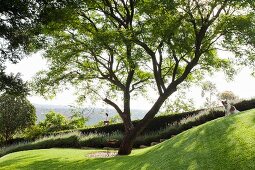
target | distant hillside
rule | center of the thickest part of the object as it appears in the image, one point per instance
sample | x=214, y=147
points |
x=94, y=114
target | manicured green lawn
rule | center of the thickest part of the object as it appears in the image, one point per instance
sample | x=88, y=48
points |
x=225, y=143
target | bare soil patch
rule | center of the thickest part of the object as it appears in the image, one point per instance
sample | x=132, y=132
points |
x=102, y=154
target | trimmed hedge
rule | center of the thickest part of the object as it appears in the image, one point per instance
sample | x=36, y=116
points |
x=171, y=131
x=156, y=124
x=245, y=105
x=160, y=121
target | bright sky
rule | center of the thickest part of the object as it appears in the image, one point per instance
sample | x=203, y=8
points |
x=242, y=86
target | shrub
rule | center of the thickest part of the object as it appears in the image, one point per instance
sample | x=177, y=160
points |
x=100, y=140
x=70, y=140
x=16, y=114
x=161, y=122
x=33, y=132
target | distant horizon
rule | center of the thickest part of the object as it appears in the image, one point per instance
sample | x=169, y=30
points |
x=68, y=106
x=94, y=114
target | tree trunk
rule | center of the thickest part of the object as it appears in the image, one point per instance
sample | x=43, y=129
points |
x=6, y=137
x=129, y=137
x=132, y=132
x=127, y=143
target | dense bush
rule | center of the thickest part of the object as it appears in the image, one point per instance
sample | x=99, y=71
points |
x=56, y=121
x=16, y=114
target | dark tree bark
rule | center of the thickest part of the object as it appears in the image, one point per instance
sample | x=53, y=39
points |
x=132, y=133
x=127, y=143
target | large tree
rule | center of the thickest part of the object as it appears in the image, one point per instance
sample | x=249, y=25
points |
x=116, y=49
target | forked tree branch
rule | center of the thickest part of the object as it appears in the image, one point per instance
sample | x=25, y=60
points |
x=114, y=105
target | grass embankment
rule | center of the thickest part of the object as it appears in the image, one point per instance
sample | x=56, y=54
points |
x=225, y=143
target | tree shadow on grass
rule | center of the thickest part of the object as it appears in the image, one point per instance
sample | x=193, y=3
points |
x=7, y=163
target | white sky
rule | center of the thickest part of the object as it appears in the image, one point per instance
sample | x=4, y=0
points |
x=242, y=86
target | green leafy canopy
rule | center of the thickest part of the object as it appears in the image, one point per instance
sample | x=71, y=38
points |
x=90, y=42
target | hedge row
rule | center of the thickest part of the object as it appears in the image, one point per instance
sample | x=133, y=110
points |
x=179, y=128
x=161, y=121
x=156, y=124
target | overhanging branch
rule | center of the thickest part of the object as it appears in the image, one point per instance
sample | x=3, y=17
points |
x=114, y=105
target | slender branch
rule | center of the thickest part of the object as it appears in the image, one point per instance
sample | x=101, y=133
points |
x=135, y=84
x=114, y=105
x=176, y=65
x=154, y=63
x=128, y=16
x=131, y=66
x=111, y=13
x=199, y=11
x=192, y=20
x=89, y=19
x=132, y=6
x=160, y=66
x=218, y=13
x=117, y=10
x=110, y=76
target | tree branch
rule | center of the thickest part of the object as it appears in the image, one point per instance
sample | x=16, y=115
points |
x=114, y=105
x=156, y=72
x=135, y=84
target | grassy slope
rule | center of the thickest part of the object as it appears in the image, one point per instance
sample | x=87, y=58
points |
x=225, y=143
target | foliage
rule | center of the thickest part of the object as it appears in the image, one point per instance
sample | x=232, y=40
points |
x=99, y=137
x=18, y=20
x=178, y=127
x=161, y=127
x=228, y=95
x=209, y=90
x=179, y=105
x=66, y=140
x=112, y=120
x=157, y=123
x=12, y=84
x=163, y=121
x=33, y=133
x=77, y=119
x=56, y=122
x=70, y=140
x=245, y=104
x=100, y=140
x=16, y=114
